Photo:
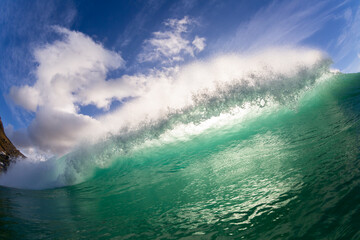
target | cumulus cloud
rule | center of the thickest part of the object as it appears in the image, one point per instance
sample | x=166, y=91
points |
x=58, y=131
x=68, y=69
x=71, y=73
x=26, y=96
x=172, y=45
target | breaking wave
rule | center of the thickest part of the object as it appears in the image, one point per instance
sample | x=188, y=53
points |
x=180, y=104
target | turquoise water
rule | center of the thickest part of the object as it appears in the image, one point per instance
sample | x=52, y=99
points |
x=272, y=169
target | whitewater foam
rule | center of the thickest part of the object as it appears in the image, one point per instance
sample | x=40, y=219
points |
x=275, y=72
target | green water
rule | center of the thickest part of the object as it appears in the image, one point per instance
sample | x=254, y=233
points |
x=288, y=171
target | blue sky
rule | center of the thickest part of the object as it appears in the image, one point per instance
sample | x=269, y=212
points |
x=135, y=38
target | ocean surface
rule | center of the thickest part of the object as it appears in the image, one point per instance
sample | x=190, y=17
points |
x=272, y=162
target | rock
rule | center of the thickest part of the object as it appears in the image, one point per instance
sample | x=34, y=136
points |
x=8, y=152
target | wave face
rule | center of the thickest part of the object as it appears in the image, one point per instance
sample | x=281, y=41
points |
x=270, y=155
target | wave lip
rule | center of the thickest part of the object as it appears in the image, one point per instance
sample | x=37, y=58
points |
x=277, y=72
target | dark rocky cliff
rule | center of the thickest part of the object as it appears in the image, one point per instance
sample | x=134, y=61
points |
x=8, y=152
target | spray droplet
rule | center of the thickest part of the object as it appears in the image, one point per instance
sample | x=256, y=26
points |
x=262, y=103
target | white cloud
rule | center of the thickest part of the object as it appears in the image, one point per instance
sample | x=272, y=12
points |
x=67, y=71
x=71, y=73
x=199, y=43
x=57, y=131
x=26, y=96
x=172, y=45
